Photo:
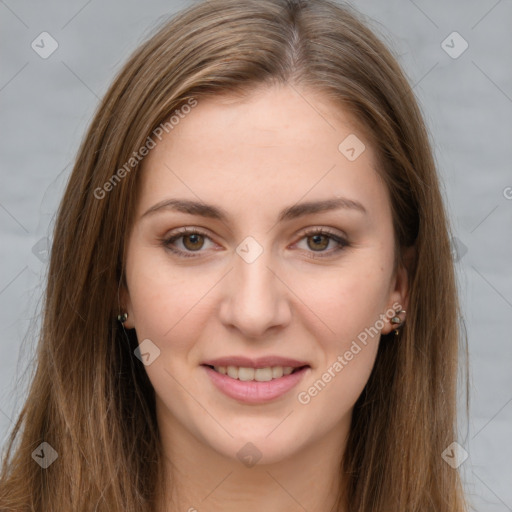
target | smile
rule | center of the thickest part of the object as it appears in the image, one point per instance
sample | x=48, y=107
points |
x=255, y=385
x=258, y=374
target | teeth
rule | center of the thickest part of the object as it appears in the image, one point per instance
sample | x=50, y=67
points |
x=277, y=372
x=232, y=372
x=263, y=374
x=257, y=374
x=246, y=373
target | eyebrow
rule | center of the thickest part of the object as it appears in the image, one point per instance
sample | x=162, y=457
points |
x=289, y=213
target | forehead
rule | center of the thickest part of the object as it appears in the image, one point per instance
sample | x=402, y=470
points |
x=277, y=144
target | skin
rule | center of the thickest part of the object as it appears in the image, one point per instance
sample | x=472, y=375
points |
x=254, y=157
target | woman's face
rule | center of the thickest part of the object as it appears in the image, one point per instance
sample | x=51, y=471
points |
x=250, y=289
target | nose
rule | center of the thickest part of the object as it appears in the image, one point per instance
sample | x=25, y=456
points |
x=256, y=298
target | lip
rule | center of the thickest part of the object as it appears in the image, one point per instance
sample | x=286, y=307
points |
x=254, y=392
x=261, y=362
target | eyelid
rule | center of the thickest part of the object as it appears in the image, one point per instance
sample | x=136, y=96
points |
x=323, y=229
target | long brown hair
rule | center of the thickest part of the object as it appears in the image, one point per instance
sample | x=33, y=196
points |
x=91, y=400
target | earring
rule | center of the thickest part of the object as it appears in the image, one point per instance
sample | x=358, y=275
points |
x=122, y=318
x=396, y=320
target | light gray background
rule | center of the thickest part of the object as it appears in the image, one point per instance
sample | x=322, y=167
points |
x=46, y=105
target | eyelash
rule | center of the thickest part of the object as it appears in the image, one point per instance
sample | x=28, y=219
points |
x=342, y=243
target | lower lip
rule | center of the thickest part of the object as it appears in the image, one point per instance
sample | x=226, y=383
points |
x=254, y=392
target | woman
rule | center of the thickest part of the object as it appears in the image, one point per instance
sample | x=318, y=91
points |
x=251, y=299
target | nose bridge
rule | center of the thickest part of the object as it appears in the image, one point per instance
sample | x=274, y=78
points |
x=257, y=298
x=254, y=279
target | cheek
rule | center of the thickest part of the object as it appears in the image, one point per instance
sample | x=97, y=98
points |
x=162, y=298
x=337, y=389
x=353, y=306
x=348, y=359
x=346, y=301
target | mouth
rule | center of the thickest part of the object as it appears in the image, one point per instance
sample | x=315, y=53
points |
x=260, y=383
x=261, y=374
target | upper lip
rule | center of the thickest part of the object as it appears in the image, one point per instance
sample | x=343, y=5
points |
x=260, y=362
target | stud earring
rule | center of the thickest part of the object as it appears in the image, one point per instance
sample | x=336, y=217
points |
x=397, y=321
x=122, y=318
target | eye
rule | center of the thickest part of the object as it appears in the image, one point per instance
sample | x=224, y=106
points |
x=318, y=240
x=193, y=240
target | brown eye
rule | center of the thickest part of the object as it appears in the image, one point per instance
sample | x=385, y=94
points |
x=187, y=243
x=196, y=241
x=319, y=242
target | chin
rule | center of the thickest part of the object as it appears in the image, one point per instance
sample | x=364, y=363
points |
x=261, y=446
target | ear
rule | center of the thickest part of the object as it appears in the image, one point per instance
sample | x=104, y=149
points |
x=126, y=305
x=399, y=296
